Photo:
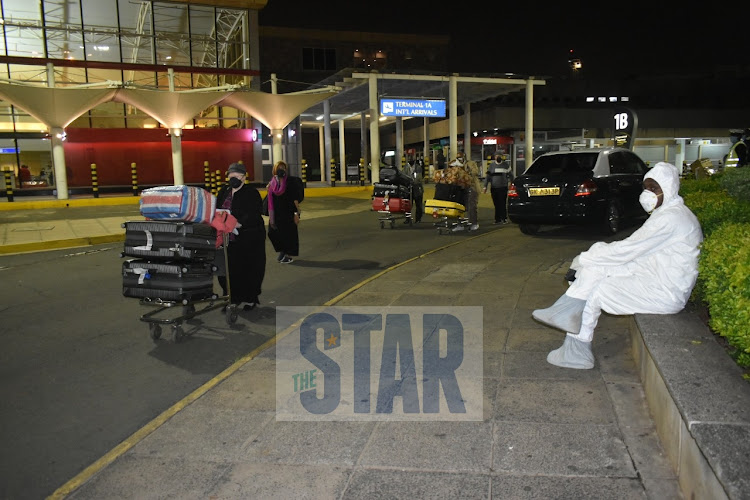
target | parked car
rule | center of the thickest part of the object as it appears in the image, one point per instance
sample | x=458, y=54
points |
x=585, y=186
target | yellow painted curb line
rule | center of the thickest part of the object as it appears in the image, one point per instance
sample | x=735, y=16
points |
x=59, y=244
x=311, y=192
x=157, y=422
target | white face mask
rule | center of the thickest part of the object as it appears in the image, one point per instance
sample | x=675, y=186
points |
x=648, y=200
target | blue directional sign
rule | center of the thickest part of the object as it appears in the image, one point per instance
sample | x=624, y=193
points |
x=426, y=108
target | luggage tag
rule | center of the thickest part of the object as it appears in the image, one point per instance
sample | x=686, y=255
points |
x=149, y=241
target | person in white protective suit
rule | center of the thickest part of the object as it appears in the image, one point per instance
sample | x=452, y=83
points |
x=653, y=271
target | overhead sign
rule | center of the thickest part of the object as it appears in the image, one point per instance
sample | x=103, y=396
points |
x=426, y=108
x=626, y=126
x=8, y=150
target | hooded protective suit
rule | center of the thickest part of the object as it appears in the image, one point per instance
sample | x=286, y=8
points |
x=653, y=271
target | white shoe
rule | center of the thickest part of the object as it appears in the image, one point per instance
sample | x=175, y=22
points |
x=564, y=314
x=573, y=353
x=458, y=228
x=474, y=227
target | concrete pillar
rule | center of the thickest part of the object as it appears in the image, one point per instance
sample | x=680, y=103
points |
x=58, y=159
x=529, y=153
x=374, y=130
x=342, y=152
x=467, y=131
x=327, y=137
x=177, y=171
x=453, y=116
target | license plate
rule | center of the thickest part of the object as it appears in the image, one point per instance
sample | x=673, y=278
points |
x=550, y=191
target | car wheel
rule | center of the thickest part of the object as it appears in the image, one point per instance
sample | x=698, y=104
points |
x=529, y=228
x=612, y=219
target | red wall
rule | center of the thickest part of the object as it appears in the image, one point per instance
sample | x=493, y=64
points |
x=113, y=150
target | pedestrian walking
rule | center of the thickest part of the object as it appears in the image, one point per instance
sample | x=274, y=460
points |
x=499, y=176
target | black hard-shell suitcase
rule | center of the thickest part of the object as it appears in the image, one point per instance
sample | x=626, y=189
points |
x=166, y=240
x=170, y=281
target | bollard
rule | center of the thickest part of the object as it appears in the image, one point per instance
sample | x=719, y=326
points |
x=134, y=178
x=219, y=181
x=206, y=176
x=403, y=162
x=333, y=172
x=361, y=171
x=8, y=186
x=304, y=172
x=94, y=181
x=213, y=183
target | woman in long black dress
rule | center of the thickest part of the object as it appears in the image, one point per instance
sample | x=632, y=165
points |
x=247, y=249
x=285, y=193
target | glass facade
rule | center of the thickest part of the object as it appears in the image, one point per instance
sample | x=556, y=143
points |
x=94, y=41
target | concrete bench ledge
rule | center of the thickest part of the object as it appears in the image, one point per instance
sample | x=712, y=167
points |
x=699, y=401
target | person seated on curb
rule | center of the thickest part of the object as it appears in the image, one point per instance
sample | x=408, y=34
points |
x=653, y=271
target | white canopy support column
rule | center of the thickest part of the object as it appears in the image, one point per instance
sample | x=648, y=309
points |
x=426, y=140
x=175, y=135
x=529, y=153
x=453, y=116
x=679, y=155
x=322, y=151
x=342, y=151
x=467, y=131
x=374, y=129
x=399, y=142
x=327, y=139
x=58, y=159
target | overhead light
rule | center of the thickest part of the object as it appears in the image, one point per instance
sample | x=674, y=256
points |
x=589, y=99
x=382, y=118
x=625, y=99
x=613, y=99
x=319, y=117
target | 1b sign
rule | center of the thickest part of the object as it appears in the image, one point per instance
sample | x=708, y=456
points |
x=376, y=363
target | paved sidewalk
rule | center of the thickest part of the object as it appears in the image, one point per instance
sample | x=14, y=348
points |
x=546, y=432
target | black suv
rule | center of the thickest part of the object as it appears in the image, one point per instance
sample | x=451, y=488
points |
x=585, y=186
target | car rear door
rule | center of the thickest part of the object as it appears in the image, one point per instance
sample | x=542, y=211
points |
x=626, y=172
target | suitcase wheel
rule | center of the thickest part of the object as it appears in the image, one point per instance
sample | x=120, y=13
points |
x=177, y=333
x=154, y=331
x=231, y=314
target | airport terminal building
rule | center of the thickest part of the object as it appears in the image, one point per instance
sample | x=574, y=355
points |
x=191, y=45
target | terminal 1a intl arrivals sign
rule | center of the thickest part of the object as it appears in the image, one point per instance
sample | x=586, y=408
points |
x=626, y=126
x=426, y=108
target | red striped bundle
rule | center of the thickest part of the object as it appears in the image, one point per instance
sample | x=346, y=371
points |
x=178, y=203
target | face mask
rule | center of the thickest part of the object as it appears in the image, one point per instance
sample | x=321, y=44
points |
x=281, y=174
x=234, y=182
x=648, y=200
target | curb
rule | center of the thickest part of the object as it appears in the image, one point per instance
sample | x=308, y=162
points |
x=60, y=244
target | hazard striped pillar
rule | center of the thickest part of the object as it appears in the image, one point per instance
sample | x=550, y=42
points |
x=304, y=172
x=94, y=181
x=333, y=172
x=134, y=178
x=8, y=186
x=206, y=176
x=361, y=171
x=219, y=181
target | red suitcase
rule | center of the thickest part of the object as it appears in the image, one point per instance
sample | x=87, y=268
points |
x=393, y=205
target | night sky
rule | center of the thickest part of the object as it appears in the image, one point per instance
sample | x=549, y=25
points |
x=524, y=37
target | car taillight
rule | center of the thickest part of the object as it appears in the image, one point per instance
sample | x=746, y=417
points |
x=586, y=188
x=512, y=193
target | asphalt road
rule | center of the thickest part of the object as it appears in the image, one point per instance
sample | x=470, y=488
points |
x=78, y=370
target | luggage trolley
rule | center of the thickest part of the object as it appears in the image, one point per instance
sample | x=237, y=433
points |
x=173, y=278
x=392, y=198
x=448, y=208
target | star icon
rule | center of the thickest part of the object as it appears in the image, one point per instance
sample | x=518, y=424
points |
x=332, y=341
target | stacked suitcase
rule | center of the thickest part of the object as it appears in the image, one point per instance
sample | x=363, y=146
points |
x=171, y=260
x=393, y=194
